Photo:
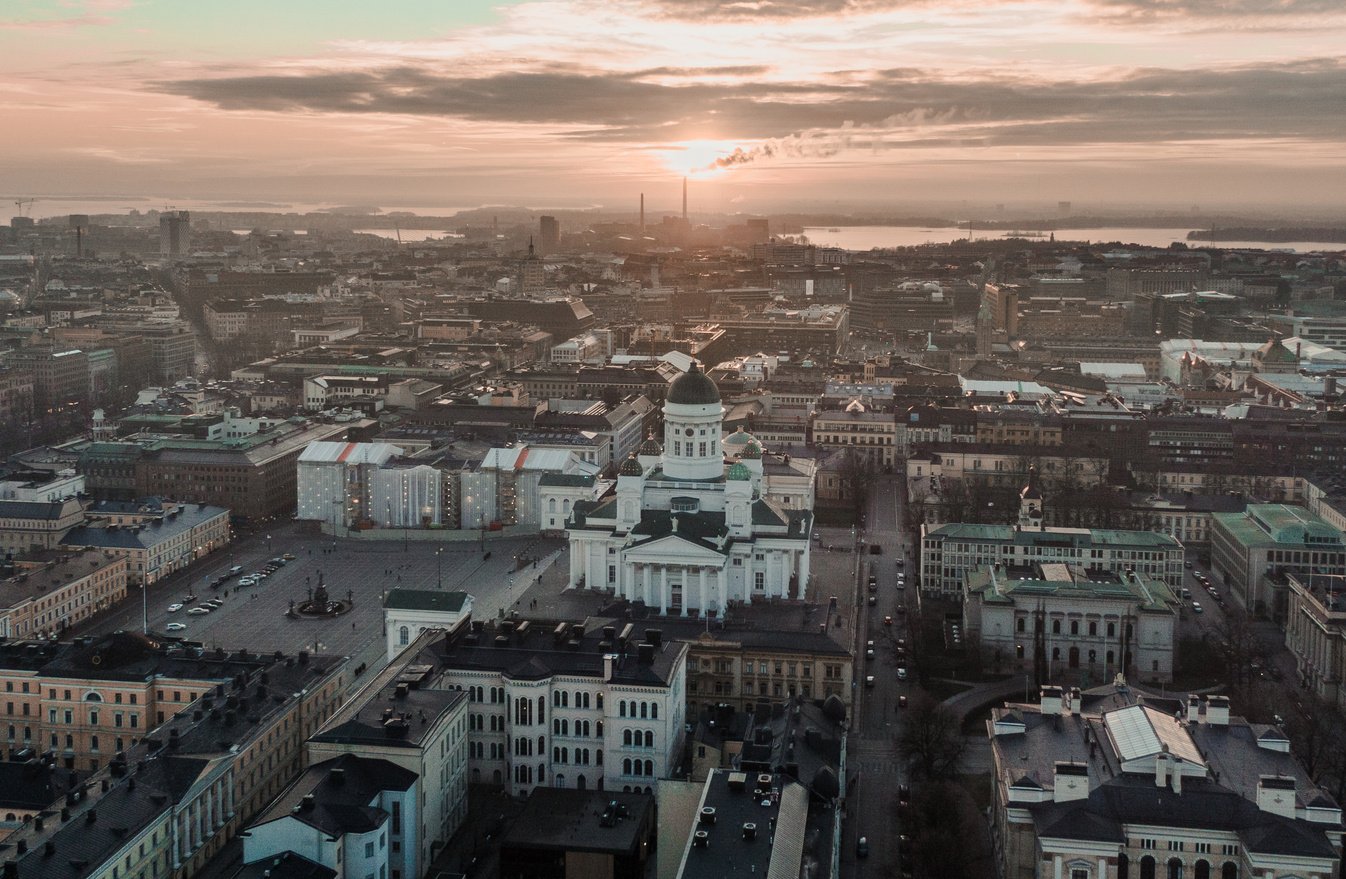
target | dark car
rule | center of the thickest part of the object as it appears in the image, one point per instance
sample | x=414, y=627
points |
x=862, y=847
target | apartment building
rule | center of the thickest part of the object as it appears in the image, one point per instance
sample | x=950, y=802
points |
x=41, y=599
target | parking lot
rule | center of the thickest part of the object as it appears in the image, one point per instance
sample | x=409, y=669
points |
x=359, y=571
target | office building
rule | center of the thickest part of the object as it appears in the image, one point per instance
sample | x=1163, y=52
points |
x=175, y=233
x=1252, y=552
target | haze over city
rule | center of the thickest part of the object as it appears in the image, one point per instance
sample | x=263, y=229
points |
x=768, y=105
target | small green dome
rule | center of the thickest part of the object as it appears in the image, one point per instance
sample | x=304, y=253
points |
x=738, y=472
x=751, y=451
x=631, y=467
x=651, y=447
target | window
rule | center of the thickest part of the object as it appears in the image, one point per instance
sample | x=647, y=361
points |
x=404, y=636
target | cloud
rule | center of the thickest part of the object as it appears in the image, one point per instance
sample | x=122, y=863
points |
x=85, y=13
x=769, y=10
x=887, y=109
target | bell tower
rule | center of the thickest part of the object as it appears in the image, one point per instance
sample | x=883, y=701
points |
x=1030, y=502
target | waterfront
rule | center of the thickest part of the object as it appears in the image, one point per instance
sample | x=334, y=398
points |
x=870, y=237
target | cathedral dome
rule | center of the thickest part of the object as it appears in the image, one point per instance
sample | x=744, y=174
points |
x=693, y=388
x=631, y=467
x=738, y=472
x=752, y=451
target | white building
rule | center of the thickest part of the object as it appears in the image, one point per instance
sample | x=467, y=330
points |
x=354, y=816
x=591, y=347
x=330, y=391
x=567, y=707
x=507, y=486
x=685, y=529
x=335, y=481
x=406, y=497
x=950, y=552
x=407, y=613
x=65, y=484
x=402, y=717
x=1108, y=784
x=1093, y=623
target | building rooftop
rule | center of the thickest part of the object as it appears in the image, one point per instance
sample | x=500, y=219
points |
x=427, y=599
x=1075, y=537
x=582, y=820
x=1264, y=524
x=149, y=533
x=334, y=795
x=755, y=827
x=395, y=710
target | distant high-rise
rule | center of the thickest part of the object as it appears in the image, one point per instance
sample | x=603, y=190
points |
x=175, y=233
x=684, y=198
x=549, y=235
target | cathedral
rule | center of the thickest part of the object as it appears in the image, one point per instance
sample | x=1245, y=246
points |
x=689, y=528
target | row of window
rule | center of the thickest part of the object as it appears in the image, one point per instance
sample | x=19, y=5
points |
x=648, y=710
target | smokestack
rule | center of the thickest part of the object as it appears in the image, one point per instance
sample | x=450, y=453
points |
x=684, y=198
x=642, y=213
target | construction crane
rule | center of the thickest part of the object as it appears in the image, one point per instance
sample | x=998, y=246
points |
x=20, y=202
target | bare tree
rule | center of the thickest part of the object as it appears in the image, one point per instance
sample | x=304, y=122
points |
x=931, y=742
x=857, y=474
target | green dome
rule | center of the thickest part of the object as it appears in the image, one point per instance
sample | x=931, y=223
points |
x=631, y=467
x=752, y=451
x=738, y=472
x=651, y=447
x=739, y=437
x=693, y=388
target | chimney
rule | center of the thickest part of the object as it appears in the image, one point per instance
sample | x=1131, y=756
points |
x=1177, y=775
x=645, y=654
x=1217, y=710
x=1049, y=701
x=1193, y=708
x=608, y=660
x=1276, y=794
x=1161, y=761
x=1071, y=782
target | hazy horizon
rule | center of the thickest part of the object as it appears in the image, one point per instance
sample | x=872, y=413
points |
x=770, y=105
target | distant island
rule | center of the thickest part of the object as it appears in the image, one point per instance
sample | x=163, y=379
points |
x=1335, y=234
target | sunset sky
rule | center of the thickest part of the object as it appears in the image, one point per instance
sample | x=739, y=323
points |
x=809, y=103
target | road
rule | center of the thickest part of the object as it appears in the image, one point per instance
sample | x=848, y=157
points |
x=875, y=768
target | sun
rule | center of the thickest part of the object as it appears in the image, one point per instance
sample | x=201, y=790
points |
x=696, y=158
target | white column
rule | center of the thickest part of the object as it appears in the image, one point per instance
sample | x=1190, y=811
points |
x=686, y=588
x=701, y=572
x=229, y=799
x=723, y=598
x=1103, y=867
x=663, y=589
x=649, y=586
x=1056, y=866
x=576, y=547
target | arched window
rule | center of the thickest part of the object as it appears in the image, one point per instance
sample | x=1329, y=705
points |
x=1112, y=657
x=1056, y=627
x=621, y=708
x=626, y=738
x=541, y=745
x=649, y=739
x=649, y=767
x=626, y=766
x=1123, y=866
x=1230, y=870
x=1056, y=654
x=551, y=505
x=1201, y=870
x=599, y=697
x=541, y=709
x=1074, y=627
x=1174, y=868
x=1019, y=623
x=556, y=699
x=541, y=773
x=93, y=697
x=565, y=505
x=654, y=711
x=555, y=754
x=565, y=700
x=404, y=636
x=565, y=755
x=555, y=727
x=1147, y=867
x=1093, y=628
x=598, y=757
x=1093, y=656
x=644, y=710
x=598, y=726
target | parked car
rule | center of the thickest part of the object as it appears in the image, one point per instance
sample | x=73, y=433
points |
x=235, y=570
x=1196, y=607
x=175, y=627
x=901, y=674
x=887, y=621
x=862, y=847
x=869, y=680
x=901, y=701
x=199, y=611
x=174, y=607
x=873, y=600
x=289, y=556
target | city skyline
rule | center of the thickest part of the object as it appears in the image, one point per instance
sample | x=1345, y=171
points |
x=764, y=104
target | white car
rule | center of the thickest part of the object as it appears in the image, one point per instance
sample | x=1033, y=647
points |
x=247, y=581
x=199, y=611
x=175, y=627
x=901, y=674
x=174, y=607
